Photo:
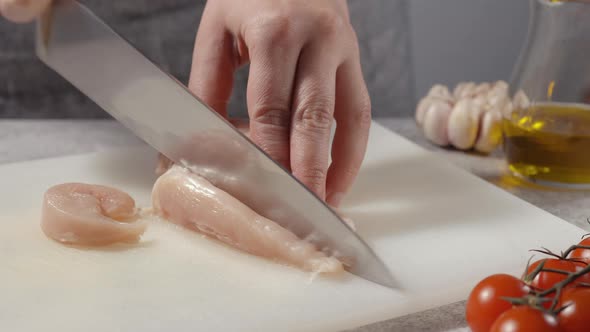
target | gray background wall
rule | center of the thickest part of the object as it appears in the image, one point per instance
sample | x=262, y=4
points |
x=406, y=46
x=465, y=40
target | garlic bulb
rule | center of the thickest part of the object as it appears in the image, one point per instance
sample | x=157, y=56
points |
x=482, y=88
x=440, y=91
x=490, y=131
x=463, y=90
x=435, y=122
x=468, y=118
x=437, y=94
x=463, y=125
x=521, y=100
x=424, y=105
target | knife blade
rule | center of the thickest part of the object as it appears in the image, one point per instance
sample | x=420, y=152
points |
x=157, y=108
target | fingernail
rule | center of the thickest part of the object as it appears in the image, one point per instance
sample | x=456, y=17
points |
x=334, y=199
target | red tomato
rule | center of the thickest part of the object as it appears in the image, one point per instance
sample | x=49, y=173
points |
x=585, y=278
x=582, y=254
x=525, y=319
x=546, y=280
x=484, y=304
x=576, y=316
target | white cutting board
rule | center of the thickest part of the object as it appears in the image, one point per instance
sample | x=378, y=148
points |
x=437, y=227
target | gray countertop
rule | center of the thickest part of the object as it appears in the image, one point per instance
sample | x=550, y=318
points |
x=22, y=140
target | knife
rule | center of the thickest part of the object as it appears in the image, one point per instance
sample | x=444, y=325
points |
x=157, y=108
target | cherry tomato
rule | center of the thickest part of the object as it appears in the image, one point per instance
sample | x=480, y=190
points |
x=546, y=280
x=576, y=316
x=585, y=278
x=582, y=254
x=525, y=319
x=484, y=304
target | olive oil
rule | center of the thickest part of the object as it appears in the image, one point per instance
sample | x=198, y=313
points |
x=550, y=143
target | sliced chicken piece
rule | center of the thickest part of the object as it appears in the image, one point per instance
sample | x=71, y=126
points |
x=163, y=164
x=90, y=215
x=189, y=200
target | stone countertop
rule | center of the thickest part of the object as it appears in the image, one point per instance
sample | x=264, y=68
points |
x=22, y=140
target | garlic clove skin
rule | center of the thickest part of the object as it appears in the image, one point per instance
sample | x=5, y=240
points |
x=463, y=125
x=459, y=89
x=500, y=87
x=424, y=105
x=436, y=121
x=507, y=109
x=421, y=108
x=490, y=132
x=469, y=118
x=440, y=91
x=464, y=90
x=479, y=103
x=498, y=98
x=482, y=89
x=520, y=100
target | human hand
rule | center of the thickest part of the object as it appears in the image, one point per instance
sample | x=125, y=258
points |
x=304, y=72
x=22, y=11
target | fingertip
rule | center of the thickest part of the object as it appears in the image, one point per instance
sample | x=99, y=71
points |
x=19, y=11
x=334, y=199
x=341, y=176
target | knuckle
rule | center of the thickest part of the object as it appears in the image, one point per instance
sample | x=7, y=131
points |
x=270, y=29
x=272, y=116
x=363, y=116
x=352, y=171
x=314, y=175
x=330, y=22
x=317, y=117
x=354, y=45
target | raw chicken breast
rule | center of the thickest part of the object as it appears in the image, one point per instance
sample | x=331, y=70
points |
x=89, y=215
x=189, y=200
x=163, y=164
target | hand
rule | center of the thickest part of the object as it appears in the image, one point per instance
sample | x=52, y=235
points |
x=304, y=72
x=22, y=11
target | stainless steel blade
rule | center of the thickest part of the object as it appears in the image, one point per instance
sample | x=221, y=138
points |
x=160, y=110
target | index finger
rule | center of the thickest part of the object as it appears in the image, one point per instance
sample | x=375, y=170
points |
x=22, y=11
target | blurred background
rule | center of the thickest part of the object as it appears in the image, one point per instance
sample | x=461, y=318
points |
x=406, y=46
